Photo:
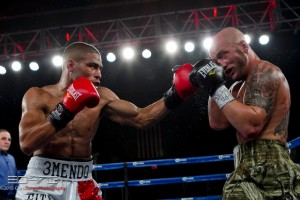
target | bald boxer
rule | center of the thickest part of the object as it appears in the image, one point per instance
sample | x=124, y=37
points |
x=59, y=122
x=258, y=106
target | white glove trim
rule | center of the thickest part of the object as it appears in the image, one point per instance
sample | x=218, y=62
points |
x=222, y=96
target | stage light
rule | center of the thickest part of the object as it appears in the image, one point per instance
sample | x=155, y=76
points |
x=110, y=57
x=264, y=39
x=128, y=53
x=57, y=61
x=207, y=42
x=189, y=46
x=146, y=53
x=247, y=38
x=2, y=70
x=34, y=66
x=16, y=66
x=171, y=46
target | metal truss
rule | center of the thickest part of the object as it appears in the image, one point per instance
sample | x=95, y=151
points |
x=255, y=16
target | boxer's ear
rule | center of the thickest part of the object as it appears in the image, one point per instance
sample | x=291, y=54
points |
x=70, y=65
x=244, y=46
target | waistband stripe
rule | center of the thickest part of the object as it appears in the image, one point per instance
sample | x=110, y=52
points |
x=71, y=170
x=66, y=170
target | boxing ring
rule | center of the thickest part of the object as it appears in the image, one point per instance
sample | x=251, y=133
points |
x=127, y=182
x=175, y=180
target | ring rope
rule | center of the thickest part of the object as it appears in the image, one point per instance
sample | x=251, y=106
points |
x=177, y=161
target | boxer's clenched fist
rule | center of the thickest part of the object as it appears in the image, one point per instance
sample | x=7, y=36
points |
x=79, y=94
x=207, y=74
x=181, y=88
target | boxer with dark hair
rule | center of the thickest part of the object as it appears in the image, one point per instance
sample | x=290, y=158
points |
x=258, y=106
x=59, y=122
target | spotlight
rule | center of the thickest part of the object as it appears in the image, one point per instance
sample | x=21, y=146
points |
x=207, y=42
x=189, y=47
x=247, y=38
x=264, y=39
x=2, y=70
x=57, y=61
x=146, y=53
x=34, y=66
x=128, y=53
x=171, y=46
x=16, y=66
x=111, y=57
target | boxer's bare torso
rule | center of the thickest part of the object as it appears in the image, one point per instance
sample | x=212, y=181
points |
x=260, y=83
x=75, y=139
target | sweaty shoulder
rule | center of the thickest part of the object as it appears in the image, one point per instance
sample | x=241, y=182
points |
x=266, y=74
x=39, y=97
x=276, y=77
x=269, y=69
x=107, y=95
x=264, y=85
x=34, y=92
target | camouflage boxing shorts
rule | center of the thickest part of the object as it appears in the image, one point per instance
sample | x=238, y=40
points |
x=264, y=171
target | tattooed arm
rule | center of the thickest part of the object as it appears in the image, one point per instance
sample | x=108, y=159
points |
x=217, y=120
x=250, y=115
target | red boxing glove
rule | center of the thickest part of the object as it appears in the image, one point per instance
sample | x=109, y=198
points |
x=79, y=94
x=181, y=88
x=181, y=81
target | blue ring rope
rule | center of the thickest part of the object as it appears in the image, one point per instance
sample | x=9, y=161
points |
x=294, y=143
x=149, y=163
x=176, y=161
x=162, y=181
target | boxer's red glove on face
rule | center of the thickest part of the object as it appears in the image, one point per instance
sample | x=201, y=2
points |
x=79, y=94
x=181, y=88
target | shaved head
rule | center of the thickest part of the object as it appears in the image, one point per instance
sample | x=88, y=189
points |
x=77, y=51
x=227, y=36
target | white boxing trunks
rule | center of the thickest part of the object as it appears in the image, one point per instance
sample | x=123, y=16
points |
x=47, y=178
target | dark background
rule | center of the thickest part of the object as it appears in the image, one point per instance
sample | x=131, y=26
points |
x=184, y=132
